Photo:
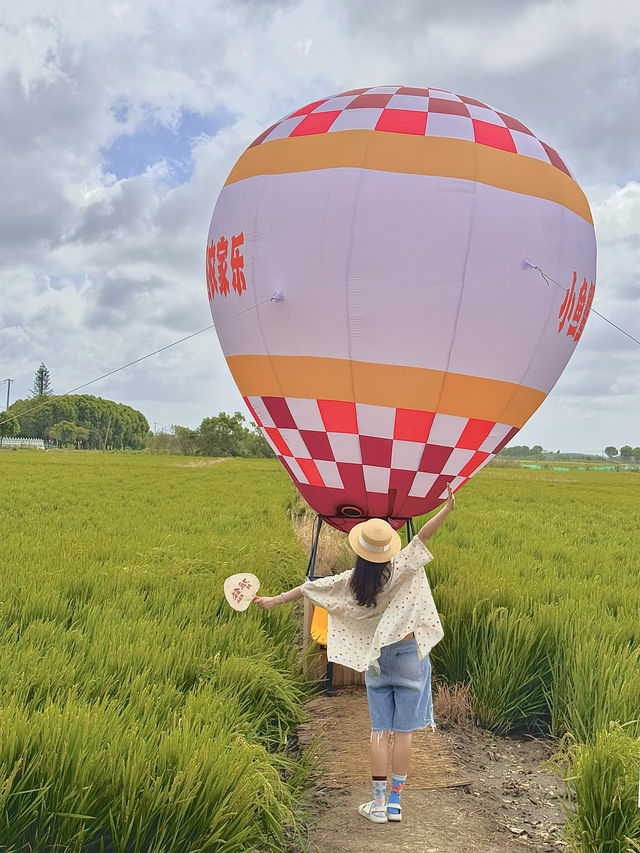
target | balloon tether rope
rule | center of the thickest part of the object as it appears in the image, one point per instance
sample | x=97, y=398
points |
x=548, y=279
x=277, y=297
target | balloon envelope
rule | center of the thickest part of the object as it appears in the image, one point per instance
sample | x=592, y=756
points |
x=367, y=274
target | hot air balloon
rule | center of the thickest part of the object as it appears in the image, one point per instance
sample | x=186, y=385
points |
x=373, y=270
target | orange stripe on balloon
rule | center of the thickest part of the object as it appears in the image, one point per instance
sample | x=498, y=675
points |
x=416, y=155
x=391, y=385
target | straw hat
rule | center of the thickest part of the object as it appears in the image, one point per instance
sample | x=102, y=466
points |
x=375, y=540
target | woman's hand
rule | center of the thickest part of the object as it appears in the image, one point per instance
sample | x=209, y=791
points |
x=427, y=530
x=451, y=498
x=265, y=602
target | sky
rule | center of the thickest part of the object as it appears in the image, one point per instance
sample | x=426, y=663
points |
x=120, y=122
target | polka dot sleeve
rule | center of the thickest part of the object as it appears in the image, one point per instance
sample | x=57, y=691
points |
x=413, y=557
x=328, y=592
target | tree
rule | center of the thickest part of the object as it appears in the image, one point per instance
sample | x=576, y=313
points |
x=187, y=440
x=222, y=435
x=82, y=436
x=626, y=452
x=516, y=452
x=610, y=452
x=255, y=444
x=41, y=382
x=8, y=426
x=161, y=442
x=636, y=454
x=64, y=433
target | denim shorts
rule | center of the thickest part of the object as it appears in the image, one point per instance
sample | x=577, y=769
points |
x=400, y=697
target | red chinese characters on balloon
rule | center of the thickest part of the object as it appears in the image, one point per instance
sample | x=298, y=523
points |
x=575, y=308
x=217, y=263
x=237, y=264
x=221, y=257
x=212, y=284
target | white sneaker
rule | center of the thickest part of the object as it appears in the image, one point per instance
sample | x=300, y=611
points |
x=393, y=815
x=369, y=810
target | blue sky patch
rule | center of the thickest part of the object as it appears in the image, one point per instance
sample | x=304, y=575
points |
x=132, y=153
x=58, y=282
x=121, y=111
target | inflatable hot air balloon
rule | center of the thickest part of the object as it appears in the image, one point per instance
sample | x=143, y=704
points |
x=370, y=274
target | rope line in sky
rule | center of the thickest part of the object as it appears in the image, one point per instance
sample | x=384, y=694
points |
x=277, y=297
x=548, y=278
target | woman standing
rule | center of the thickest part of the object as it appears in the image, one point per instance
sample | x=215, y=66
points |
x=383, y=622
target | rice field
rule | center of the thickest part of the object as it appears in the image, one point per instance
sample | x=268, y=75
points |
x=139, y=713
x=536, y=579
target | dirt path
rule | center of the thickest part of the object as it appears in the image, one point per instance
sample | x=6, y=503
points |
x=468, y=791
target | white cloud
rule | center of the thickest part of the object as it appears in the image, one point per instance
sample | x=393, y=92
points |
x=96, y=271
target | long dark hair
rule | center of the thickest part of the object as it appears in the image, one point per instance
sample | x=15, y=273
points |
x=368, y=579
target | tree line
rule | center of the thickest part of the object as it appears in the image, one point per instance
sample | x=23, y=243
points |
x=625, y=454
x=222, y=435
x=92, y=423
x=76, y=420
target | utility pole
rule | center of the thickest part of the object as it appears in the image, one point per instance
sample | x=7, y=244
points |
x=106, y=435
x=8, y=381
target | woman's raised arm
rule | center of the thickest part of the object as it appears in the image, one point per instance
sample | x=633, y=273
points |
x=434, y=523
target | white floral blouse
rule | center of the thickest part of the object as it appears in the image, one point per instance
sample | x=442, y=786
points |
x=356, y=633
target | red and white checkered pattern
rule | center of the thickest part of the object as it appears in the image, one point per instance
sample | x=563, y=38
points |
x=387, y=462
x=423, y=112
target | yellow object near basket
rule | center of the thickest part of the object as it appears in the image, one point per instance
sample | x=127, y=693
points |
x=319, y=623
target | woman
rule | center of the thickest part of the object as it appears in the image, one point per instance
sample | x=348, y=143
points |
x=383, y=622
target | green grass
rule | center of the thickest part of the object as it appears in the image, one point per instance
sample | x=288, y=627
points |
x=138, y=712
x=556, y=553
x=604, y=774
x=536, y=582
